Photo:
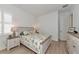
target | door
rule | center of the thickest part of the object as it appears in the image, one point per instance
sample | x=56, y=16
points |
x=64, y=25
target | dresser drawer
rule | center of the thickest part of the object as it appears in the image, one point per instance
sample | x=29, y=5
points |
x=73, y=45
x=10, y=42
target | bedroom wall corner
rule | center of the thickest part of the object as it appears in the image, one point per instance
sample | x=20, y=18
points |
x=48, y=23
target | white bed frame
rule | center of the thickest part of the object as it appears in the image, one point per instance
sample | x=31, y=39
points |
x=44, y=46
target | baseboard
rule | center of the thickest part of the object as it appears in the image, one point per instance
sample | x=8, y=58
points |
x=62, y=39
x=2, y=49
x=55, y=40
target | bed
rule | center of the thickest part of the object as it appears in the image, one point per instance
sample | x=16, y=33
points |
x=38, y=42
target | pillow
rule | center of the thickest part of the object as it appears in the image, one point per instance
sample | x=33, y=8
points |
x=17, y=33
x=22, y=33
x=26, y=32
x=31, y=32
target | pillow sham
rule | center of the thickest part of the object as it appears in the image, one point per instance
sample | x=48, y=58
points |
x=17, y=33
x=26, y=32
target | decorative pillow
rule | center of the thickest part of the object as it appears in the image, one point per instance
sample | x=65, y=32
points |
x=26, y=32
x=22, y=33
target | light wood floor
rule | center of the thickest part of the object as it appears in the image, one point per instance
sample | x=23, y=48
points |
x=54, y=48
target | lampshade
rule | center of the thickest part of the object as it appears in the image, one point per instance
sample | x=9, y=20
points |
x=13, y=28
x=36, y=26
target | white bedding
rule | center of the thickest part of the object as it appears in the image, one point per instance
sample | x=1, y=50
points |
x=35, y=39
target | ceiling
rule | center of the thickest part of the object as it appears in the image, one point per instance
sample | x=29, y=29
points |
x=39, y=9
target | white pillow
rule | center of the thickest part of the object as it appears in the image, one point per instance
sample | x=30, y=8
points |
x=17, y=33
x=26, y=32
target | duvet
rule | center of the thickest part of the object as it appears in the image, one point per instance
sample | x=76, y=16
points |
x=35, y=41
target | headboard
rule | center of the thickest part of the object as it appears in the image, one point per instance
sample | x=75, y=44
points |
x=21, y=29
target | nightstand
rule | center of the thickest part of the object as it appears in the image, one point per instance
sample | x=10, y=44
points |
x=13, y=42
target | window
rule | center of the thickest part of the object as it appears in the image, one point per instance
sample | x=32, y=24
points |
x=5, y=22
x=7, y=28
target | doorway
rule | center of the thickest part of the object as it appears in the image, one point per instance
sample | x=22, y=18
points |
x=64, y=23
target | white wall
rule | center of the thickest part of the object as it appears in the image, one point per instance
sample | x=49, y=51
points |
x=20, y=18
x=3, y=42
x=76, y=16
x=49, y=24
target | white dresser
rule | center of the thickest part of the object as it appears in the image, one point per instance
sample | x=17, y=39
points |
x=73, y=43
x=13, y=42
